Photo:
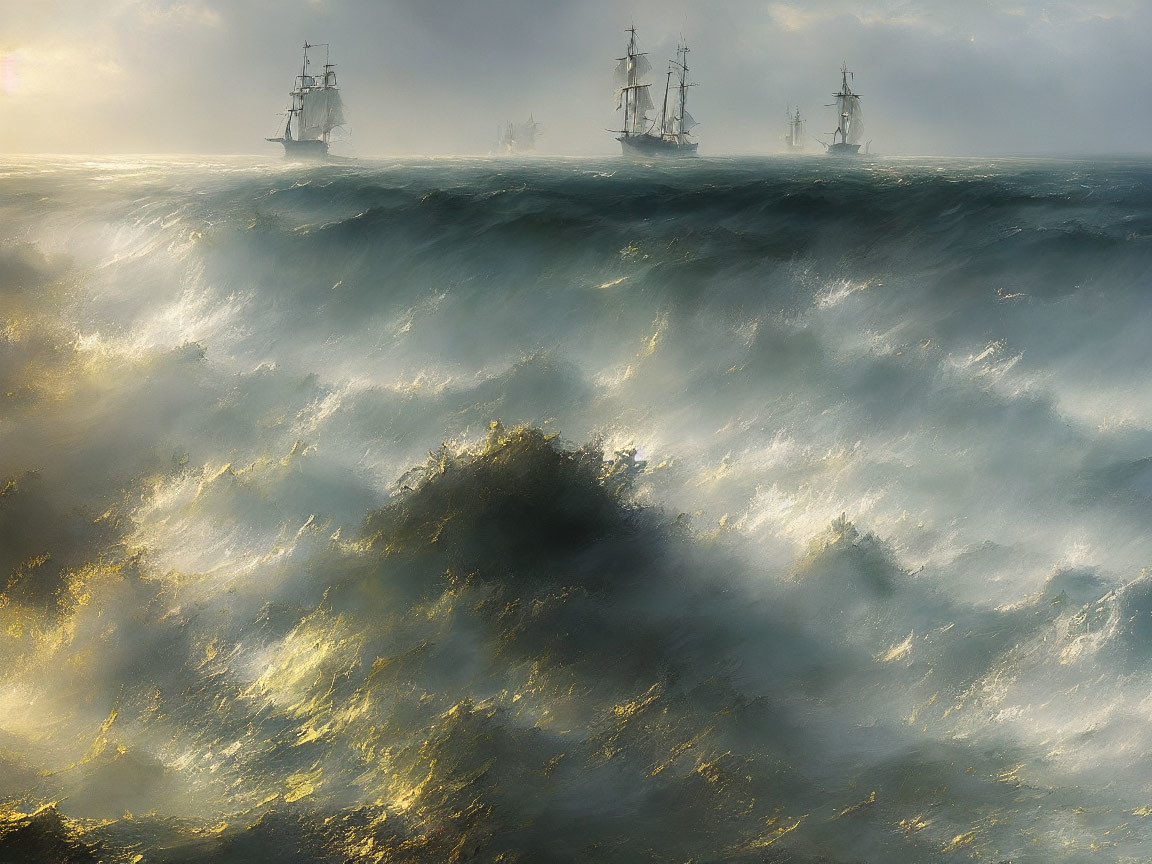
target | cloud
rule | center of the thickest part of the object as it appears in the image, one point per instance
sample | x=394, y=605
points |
x=178, y=14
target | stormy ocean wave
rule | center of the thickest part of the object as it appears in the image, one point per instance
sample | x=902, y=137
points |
x=564, y=510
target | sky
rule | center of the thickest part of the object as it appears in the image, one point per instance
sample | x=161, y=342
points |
x=938, y=77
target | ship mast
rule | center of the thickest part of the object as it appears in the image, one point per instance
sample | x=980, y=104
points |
x=300, y=88
x=631, y=67
x=844, y=103
x=628, y=97
x=676, y=127
x=664, y=130
x=329, y=83
x=682, y=56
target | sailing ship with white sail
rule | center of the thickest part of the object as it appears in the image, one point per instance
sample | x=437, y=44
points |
x=794, y=137
x=317, y=107
x=518, y=137
x=643, y=136
x=850, y=131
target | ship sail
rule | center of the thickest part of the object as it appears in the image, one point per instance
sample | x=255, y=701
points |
x=642, y=104
x=335, y=109
x=794, y=137
x=636, y=101
x=643, y=98
x=631, y=69
x=321, y=112
x=524, y=134
x=518, y=137
x=855, y=128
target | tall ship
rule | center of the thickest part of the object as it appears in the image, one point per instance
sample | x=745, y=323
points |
x=850, y=131
x=518, y=137
x=643, y=136
x=794, y=137
x=317, y=108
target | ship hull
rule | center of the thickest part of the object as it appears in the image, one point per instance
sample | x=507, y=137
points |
x=303, y=150
x=842, y=149
x=652, y=146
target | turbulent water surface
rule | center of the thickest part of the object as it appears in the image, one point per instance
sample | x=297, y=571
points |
x=571, y=511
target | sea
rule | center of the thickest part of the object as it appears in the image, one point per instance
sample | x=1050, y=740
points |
x=575, y=510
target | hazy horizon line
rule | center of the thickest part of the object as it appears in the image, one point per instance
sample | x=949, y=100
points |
x=337, y=158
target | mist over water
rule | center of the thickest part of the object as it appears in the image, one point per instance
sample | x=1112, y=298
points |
x=569, y=510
